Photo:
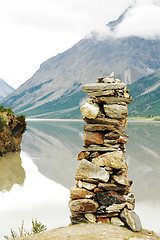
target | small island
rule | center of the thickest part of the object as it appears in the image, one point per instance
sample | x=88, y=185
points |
x=11, y=129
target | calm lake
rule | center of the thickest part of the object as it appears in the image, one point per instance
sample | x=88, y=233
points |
x=35, y=182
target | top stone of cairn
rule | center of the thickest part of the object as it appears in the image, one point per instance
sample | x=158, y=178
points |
x=104, y=83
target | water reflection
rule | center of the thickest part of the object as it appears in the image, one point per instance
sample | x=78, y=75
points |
x=143, y=155
x=49, y=150
x=38, y=198
x=56, y=144
x=53, y=147
x=11, y=171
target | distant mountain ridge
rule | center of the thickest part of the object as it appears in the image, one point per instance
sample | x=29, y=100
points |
x=55, y=89
x=5, y=89
x=146, y=94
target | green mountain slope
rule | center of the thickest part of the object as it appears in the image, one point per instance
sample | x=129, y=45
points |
x=68, y=106
x=54, y=91
x=146, y=94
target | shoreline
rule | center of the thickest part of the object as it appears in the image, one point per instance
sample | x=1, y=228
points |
x=80, y=120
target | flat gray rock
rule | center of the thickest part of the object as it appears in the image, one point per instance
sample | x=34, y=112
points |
x=114, y=159
x=115, y=208
x=110, y=100
x=99, y=148
x=120, y=179
x=87, y=185
x=83, y=205
x=101, y=93
x=131, y=220
x=102, y=86
x=102, y=121
x=88, y=170
x=77, y=193
x=112, y=187
x=99, y=127
x=116, y=111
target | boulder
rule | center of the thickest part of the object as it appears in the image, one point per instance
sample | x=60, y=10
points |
x=104, y=215
x=107, y=79
x=90, y=110
x=83, y=205
x=112, y=135
x=110, y=142
x=99, y=120
x=123, y=139
x=98, y=190
x=115, y=208
x=116, y=111
x=112, y=187
x=131, y=220
x=116, y=146
x=111, y=159
x=116, y=221
x=93, y=138
x=90, y=87
x=78, y=219
x=90, y=217
x=83, y=155
x=109, y=197
x=130, y=206
x=87, y=170
x=77, y=193
x=130, y=198
x=87, y=185
x=121, y=179
x=112, y=100
x=94, y=154
x=103, y=219
x=100, y=93
x=99, y=148
x=99, y=127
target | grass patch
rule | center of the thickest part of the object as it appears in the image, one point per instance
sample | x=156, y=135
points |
x=37, y=227
x=156, y=118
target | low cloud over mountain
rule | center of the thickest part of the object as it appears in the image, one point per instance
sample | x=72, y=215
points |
x=141, y=19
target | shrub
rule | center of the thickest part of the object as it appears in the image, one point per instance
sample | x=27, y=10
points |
x=8, y=110
x=2, y=122
x=37, y=227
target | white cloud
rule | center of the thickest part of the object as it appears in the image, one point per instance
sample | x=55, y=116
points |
x=35, y=30
x=142, y=20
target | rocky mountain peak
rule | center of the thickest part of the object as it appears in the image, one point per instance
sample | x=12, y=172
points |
x=56, y=86
x=5, y=89
x=113, y=24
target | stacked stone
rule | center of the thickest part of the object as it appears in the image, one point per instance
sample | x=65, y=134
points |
x=102, y=192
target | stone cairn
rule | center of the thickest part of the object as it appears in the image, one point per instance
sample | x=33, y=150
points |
x=102, y=192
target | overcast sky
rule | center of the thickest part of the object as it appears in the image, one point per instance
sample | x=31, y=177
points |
x=34, y=30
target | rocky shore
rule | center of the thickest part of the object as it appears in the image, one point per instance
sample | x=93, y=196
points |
x=11, y=130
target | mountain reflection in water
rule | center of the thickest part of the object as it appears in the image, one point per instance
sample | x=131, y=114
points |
x=53, y=146
x=49, y=148
x=143, y=156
